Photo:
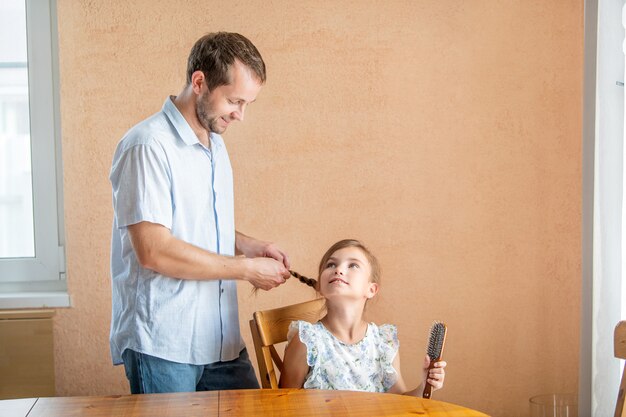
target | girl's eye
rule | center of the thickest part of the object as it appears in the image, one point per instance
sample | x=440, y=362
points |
x=330, y=265
x=354, y=265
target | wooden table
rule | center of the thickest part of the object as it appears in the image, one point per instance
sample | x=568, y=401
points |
x=239, y=403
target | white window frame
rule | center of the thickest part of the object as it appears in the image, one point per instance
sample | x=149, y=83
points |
x=603, y=219
x=40, y=281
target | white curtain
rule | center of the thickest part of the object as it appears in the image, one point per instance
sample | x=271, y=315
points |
x=607, y=206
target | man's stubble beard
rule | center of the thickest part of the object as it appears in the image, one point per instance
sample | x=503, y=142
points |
x=203, y=116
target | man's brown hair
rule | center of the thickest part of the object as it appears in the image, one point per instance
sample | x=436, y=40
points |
x=214, y=53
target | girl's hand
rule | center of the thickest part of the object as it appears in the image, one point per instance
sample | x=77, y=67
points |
x=436, y=375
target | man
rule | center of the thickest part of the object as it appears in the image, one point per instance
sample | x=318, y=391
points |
x=175, y=323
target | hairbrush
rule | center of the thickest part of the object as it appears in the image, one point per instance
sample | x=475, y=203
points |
x=436, y=342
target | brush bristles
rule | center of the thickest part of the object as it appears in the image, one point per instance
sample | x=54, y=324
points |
x=436, y=340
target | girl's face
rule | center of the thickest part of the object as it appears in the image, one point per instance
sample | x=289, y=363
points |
x=347, y=273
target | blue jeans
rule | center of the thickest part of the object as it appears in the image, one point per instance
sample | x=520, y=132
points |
x=149, y=374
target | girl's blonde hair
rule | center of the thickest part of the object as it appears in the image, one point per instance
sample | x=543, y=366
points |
x=345, y=243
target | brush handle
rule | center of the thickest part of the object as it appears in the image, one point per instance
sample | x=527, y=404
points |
x=428, y=389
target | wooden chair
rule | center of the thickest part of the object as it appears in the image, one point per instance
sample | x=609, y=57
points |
x=270, y=327
x=619, y=348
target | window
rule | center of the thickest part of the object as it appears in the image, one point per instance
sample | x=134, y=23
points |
x=31, y=240
x=603, y=190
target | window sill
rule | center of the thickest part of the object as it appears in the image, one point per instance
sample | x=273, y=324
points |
x=34, y=300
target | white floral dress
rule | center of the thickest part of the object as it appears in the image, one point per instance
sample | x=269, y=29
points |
x=363, y=366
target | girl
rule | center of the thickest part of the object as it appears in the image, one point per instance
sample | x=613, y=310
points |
x=342, y=351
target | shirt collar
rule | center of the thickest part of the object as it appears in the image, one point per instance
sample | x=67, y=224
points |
x=185, y=132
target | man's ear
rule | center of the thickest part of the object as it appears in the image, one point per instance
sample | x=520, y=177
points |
x=373, y=290
x=197, y=79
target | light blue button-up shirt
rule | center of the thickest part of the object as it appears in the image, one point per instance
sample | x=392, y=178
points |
x=162, y=174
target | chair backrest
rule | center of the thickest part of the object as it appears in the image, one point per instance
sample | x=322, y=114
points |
x=619, y=348
x=270, y=327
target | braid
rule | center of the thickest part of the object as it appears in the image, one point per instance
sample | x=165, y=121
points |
x=305, y=280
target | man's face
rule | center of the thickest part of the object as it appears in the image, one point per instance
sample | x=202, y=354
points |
x=218, y=108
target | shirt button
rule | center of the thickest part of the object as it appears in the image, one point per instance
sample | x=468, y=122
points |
x=222, y=290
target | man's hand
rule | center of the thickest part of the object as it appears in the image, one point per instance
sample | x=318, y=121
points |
x=270, y=250
x=254, y=248
x=266, y=273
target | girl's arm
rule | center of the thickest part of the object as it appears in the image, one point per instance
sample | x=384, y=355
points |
x=400, y=387
x=295, y=367
x=434, y=377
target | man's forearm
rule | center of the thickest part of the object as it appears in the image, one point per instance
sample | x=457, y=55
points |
x=158, y=250
x=247, y=246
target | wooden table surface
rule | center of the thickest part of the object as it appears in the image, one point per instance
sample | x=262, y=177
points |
x=275, y=403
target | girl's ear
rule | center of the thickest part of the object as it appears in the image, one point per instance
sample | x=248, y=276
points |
x=372, y=290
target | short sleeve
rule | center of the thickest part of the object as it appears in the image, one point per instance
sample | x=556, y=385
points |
x=293, y=329
x=307, y=334
x=389, y=341
x=141, y=185
x=388, y=346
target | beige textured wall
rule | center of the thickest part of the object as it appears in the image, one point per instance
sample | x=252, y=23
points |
x=445, y=134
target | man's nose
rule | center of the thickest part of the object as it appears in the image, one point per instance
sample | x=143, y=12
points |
x=239, y=113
